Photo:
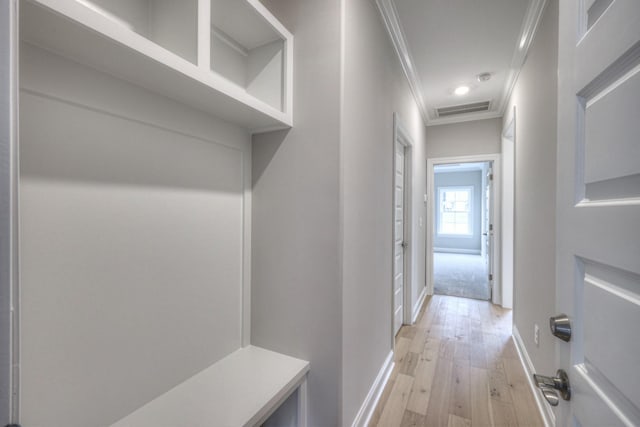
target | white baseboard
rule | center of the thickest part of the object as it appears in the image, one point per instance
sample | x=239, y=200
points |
x=458, y=251
x=369, y=405
x=418, y=305
x=543, y=407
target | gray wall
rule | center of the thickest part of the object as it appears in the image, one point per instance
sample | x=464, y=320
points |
x=374, y=87
x=323, y=192
x=464, y=139
x=296, y=294
x=535, y=97
x=461, y=179
x=132, y=244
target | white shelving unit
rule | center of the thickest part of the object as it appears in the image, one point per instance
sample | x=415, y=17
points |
x=230, y=58
x=243, y=390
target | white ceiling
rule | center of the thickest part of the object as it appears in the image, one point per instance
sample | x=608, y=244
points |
x=443, y=44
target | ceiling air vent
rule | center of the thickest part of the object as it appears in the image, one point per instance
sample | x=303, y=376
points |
x=463, y=109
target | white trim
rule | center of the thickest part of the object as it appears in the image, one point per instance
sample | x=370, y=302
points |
x=418, y=305
x=371, y=401
x=543, y=407
x=529, y=27
x=392, y=22
x=458, y=251
x=497, y=201
x=530, y=23
x=402, y=137
x=507, y=260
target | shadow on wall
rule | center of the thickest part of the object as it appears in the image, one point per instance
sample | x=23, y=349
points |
x=81, y=145
x=268, y=147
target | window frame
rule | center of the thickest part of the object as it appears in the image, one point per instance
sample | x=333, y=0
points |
x=470, y=222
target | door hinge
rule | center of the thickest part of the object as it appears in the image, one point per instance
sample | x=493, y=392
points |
x=490, y=227
x=490, y=277
x=491, y=177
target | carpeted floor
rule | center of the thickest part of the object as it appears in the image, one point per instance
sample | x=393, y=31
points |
x=460, y=275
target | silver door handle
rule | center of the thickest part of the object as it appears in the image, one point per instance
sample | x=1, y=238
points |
x=550, y=386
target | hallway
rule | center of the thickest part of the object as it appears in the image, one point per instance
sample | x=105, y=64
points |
x=463, y=348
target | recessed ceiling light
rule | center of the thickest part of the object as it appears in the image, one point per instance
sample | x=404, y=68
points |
x=461, y=90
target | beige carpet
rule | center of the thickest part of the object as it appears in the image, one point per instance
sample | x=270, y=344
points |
x=460, y=275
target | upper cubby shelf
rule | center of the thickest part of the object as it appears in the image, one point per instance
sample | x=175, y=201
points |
x=230, y=58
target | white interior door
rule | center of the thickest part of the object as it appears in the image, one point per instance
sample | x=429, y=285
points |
x=398, y=238
x=598, y=224
x=488, y=234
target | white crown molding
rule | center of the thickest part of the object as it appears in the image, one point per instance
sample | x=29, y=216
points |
x=530, y=24
x=392, y=22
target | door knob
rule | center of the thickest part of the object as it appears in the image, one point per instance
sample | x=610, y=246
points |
x=550, y=386
x=560, y=327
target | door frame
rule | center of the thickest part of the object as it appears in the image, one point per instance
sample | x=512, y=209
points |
x=508, y=182
x=9, y=226
x=496, y=292
x=402, y=137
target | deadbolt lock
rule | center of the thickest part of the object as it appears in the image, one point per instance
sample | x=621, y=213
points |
x=560, y=327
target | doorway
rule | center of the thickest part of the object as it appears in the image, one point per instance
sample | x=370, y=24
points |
x=401, y=283
x=462, y=232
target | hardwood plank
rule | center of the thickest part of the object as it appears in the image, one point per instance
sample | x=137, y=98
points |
x=407, y=332
x=407, y=365
x=438, y=409
x=424, y=376
x=456, y=421
x=462, y=351
x=498, y=386
x=503, y=414
x=480, y=405
x=417, y=344
x=457, y=366
x=523, y=401
x=447, y=348
x=460, y=403
x=402, y=348
x=412, y=419
x=477, y=351
x=493, y=351
x=393, y=412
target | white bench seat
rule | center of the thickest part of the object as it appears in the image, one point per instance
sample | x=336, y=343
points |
x=242, y=389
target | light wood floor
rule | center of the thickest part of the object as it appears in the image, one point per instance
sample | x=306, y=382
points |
x=457, y=366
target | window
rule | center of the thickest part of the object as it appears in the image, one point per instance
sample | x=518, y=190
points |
x=454, y=205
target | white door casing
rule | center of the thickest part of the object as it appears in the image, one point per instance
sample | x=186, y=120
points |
x=432, y=205
x=598, y=202
x=508, y=209
x=488, y=229
x=398, y=237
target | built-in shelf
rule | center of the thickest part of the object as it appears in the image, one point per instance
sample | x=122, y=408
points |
x=229, y=58
x=242, y=389
x=247, y=50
